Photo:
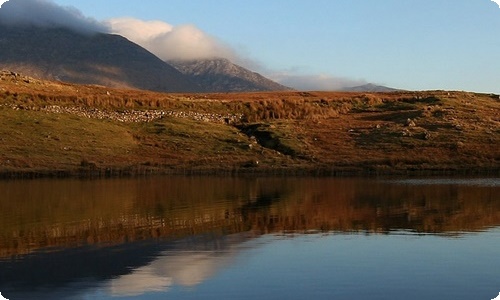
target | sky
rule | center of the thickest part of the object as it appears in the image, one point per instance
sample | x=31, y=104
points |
x=311, y=45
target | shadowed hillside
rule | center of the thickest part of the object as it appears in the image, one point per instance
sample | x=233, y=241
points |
x=97, y=58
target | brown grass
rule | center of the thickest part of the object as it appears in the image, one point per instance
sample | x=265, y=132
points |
x=318, y=132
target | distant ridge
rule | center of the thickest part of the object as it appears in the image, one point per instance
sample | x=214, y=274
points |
x=221, y=75
x=370, y=87
x=103, y=59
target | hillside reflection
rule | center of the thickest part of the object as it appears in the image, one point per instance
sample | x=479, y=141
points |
x=70, y=213
x=146, y=235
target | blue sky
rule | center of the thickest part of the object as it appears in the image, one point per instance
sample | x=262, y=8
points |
x=408, y=44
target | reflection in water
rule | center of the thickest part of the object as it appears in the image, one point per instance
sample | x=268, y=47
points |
x=139, y=236
x=484, y=182
x=188, y=264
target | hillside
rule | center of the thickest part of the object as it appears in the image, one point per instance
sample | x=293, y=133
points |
x=370, y=87
x=56, y=129
x=221, y=75
x=97, y=58
x=113, y=61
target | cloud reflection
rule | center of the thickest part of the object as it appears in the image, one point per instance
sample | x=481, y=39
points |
x=143, y=280
x=175, y=268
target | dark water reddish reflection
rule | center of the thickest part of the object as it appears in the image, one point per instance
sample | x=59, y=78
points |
x=237, y=238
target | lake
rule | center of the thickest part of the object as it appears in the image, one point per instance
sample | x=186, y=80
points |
x=250, y=238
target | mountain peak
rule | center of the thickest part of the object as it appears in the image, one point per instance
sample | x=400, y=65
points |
x=221, y=75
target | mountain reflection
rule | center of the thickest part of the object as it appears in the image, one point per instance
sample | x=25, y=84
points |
x=147, y=235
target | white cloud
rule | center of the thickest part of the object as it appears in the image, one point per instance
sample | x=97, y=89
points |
x=322, y=82
x=497, y=2
x=45, y=13
x=140, y=32
x=184, y=42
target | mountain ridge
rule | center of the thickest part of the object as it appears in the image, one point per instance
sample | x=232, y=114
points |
x=98, y=58
x=369, y=87
x=56, y=53
x=221, y=75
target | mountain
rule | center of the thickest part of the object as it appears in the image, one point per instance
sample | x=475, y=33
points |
x=98, y=58
x=370, y=87
x=221, y=75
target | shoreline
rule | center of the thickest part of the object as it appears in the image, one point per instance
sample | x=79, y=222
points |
x=116, y=173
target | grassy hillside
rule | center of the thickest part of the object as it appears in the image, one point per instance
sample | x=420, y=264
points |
x=50, y=128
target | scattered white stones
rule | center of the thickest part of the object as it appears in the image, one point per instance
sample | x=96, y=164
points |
x=427, y=136
x=406, y=132
x=410, y=123
x=133, y=116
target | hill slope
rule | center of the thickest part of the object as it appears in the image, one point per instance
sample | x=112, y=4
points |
x=370, y=87
x=221, y=75
x=49, y=128
x=104, y=59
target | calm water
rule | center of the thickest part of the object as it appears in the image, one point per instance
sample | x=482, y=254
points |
x=237, y=238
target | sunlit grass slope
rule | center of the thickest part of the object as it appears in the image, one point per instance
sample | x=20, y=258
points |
x=57, y=129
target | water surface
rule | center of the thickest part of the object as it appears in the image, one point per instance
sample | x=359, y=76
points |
x=241, y=238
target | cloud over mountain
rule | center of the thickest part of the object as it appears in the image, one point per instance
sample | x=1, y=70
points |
x=189, y=43
x=323, y=82
x=184, y=42
x=45, y=13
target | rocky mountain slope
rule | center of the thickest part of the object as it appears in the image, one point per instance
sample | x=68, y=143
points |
x=221, y=75
x=103, y=59
x=370, y=87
